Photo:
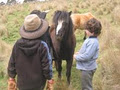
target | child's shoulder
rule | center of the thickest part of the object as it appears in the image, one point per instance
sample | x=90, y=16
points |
x=92, y=40
x=20, y=39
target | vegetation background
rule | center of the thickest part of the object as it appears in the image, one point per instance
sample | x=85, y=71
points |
x=107, y=76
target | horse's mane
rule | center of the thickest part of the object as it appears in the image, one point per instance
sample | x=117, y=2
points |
x=63, y=15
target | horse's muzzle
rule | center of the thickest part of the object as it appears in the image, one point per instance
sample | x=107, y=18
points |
x=59, y=38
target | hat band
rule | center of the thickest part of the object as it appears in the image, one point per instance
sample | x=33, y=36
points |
x=36, y=29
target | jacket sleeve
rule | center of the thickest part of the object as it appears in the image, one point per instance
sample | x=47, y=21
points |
x=88, y=54
x=11, y=64
x=46, y=62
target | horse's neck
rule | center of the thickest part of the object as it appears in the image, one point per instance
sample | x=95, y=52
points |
x=66, y=39
x=52, y=27
x=68, y=34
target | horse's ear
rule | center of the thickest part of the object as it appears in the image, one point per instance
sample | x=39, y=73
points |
x=57, y=11
x=43, y=15
x=70, y=12
x=47, y=11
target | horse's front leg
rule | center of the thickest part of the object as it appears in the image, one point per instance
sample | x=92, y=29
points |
x=68, y=67
x=59, y=68
x=56, y=65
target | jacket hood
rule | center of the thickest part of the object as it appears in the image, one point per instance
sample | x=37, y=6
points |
x=29, y=47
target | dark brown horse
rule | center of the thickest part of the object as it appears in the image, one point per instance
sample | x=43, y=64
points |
x=63, y=40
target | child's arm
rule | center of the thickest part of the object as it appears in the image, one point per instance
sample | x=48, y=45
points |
x=12, y=71
x=11, y=64
x=46, y=62
x=88, y=54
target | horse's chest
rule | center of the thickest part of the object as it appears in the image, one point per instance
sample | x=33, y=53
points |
x=65, y=51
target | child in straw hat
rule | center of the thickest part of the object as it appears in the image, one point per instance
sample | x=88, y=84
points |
x=30, y=59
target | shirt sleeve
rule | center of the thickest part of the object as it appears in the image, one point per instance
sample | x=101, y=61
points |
x=11, y=64
x=88, y=54
x=46, y=62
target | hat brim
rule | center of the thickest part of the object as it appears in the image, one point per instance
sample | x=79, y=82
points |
x=34, y=34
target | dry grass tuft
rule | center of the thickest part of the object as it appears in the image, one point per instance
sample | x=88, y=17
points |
x=3, y=30
x=109, y=58
x=4, y=19
x=116, y=15
x=5, y=49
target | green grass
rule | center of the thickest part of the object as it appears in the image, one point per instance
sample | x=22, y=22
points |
x=79, y=34
x=3, y=75
x=75, y=78
x=14, y=22
x=3, y=83
x=62, y=84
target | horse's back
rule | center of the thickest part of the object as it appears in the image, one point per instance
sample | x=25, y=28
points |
x=78, y=16
x=80, y=19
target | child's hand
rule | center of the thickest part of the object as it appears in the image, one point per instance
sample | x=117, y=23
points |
x=75, y=54
x=50, y=84
x=12, y=84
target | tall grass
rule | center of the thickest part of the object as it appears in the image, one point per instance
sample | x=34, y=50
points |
x=5, y=50
x=108, y=72
x=107, y=11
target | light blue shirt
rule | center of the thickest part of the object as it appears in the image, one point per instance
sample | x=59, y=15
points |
x=86, y=58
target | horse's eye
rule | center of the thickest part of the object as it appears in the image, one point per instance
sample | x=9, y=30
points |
x=64, y=23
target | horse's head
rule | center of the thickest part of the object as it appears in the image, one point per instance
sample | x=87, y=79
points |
x=62, y=23
x=39, y=13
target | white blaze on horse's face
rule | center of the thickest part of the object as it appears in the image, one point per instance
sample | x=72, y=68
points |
x=59, y=26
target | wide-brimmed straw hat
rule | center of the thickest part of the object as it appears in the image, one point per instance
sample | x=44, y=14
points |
x=33, y=27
